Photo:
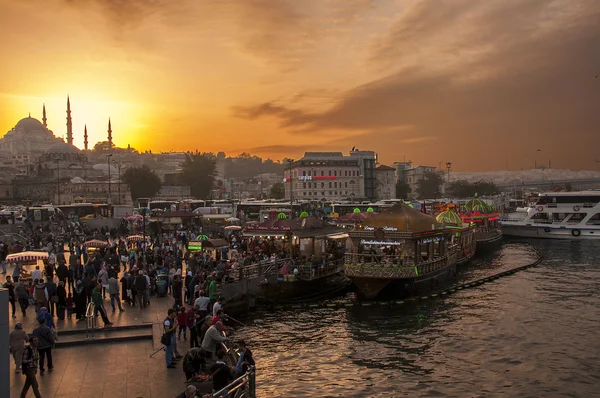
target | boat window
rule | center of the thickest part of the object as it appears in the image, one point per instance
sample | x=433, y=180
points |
x=576, y=218
x=541, y=218
x=592, y=199
x=594, y=220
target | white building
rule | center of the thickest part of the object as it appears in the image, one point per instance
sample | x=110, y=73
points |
x=332, y=176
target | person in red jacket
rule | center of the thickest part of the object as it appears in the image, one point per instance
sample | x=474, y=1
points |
x=182, y=320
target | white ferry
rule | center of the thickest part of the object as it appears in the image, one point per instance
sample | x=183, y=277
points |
x=557, y=215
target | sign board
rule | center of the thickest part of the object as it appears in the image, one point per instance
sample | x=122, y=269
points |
x=194, y=245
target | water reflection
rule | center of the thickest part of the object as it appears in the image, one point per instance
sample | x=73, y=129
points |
x=531, y=334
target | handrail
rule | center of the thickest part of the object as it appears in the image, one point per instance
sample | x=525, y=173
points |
x=239, y=383
x=90, y=321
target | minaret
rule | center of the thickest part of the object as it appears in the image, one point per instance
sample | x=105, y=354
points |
x=69, y=123
x=85, y=138
x=110, y=144
x=44, y=120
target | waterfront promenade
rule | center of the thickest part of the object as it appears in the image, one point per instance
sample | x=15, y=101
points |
x=107, y=370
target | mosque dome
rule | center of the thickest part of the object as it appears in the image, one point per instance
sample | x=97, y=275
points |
x=402, y=218
x=63, y=147
x=29, y=124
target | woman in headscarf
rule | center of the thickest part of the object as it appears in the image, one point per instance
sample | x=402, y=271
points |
x=17, y=339
x=79, y=299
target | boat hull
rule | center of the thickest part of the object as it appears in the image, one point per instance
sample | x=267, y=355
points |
x=548, y=232
x=300, y=291
x=383, y=283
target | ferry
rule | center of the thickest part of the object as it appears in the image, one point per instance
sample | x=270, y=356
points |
x=557, y=215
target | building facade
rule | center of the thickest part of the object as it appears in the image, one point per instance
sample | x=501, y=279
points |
x=385, y=182
x=414, y=175
x=332, y=176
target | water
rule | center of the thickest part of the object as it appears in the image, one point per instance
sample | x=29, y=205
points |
x=533, y=334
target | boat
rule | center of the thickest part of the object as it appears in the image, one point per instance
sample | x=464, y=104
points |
x=486, y=221
x=557, y=215
x=463, y=234
x=399, y=253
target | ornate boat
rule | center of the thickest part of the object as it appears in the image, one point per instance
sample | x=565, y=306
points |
x=485, y=218
x=400, y=252
x=463, y=234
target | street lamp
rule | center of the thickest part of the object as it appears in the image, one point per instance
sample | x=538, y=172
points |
x=448, y=166
x=290, y=161
x=57, y=160
x=108, y=157
x=119, y=165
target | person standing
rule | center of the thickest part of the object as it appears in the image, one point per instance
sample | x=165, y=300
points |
x=113, y=292
x=41, y=295
x=17, y=339
x=11, y=294
x=222, y=374
x=103, y=279
x=51, y=288
x=45, y=339
x=177, y=293
x=23, y=297
x=140, y=287
x=30, y=365
x=99, y=305
x=212, y=292
x=61, y=305
x=169, y=326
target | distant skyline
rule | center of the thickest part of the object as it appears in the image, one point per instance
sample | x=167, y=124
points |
x=482, y=84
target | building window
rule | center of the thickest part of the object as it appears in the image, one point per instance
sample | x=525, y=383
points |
x=322, y=185
x=335, y=193
x=323, y=193
x=335, y=184
x=345, y=185
x=330, y=184
x=335, y=173
x=303, y=172
x=329, y=173
x=310, y=193
x=315, y=193
x=322, y=173
x=304, y=193
x=304, y=185
x=330, y=193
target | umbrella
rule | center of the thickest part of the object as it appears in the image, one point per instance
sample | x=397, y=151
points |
x=27, y=257
x=135, y=238
x=134, y=217
x=232, y=219
x=233, y=227
x=96, y=243
x=201, y=237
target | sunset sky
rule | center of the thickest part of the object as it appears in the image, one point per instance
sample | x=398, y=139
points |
x=480, y=83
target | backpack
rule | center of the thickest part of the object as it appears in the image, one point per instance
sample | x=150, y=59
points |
x=140, y=283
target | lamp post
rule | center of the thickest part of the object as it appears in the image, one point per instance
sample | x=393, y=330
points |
x=535, y=159
x=108, y=157
x=448, y=166
x=290, y=161
x=57, y=160
x=119, y=165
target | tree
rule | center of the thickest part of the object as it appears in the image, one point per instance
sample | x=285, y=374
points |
x=142, y=182
x=430, y=186
x=102, y=146
x=199, y=171
x=402, y=190
x=277, y=191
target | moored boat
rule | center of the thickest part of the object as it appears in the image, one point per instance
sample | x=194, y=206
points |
x=485, y=219
x=400, y=252
x=557, y=215
x=463, y=235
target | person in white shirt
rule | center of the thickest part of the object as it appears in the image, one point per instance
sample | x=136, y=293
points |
x=218, y=306
x=36, y=273
x=202, y=304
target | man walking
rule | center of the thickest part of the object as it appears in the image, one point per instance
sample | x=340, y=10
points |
x=29, y=365
x=113, y=292
x=99, y=305
x=45, y=341
x=169, y=326
x=140, y=287
x=11, y=295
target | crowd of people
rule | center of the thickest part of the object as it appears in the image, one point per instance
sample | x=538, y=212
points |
x=126, y=274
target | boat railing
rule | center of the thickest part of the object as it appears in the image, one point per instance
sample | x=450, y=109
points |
x=90, y=322
x=378, y=259
x=391, y=270
x=317, y=271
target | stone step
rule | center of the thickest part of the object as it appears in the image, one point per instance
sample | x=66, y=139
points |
x=81, y=329
x=104, y=336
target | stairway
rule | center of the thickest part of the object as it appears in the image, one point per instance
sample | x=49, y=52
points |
x=115, y=334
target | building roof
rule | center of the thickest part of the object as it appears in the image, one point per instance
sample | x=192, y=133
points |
x=383, y=167
x=30, y=124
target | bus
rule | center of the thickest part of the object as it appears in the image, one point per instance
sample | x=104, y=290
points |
x=165, y=205
x=40, y=213
x=252, y=211
x=86, y=211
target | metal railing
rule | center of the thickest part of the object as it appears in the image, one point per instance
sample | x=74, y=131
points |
x=90, y=322
x=312, y=271
x=379, y=259
x=242, y=387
